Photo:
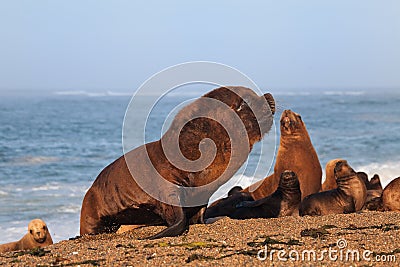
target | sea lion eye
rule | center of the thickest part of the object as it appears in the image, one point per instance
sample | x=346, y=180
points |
x=30, y=231
x=241, y=106
x=44, y=227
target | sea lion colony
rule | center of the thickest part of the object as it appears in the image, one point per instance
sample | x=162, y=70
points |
x=293, y=189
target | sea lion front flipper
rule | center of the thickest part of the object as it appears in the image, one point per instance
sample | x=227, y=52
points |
x=178, y=223
x=249, y=204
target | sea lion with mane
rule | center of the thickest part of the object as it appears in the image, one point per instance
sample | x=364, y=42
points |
x=38, y=236
x=116, y=198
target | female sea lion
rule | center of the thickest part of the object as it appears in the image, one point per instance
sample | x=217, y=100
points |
x=348, y=197
x=283, y=202
x=116, y=198
x=391, y=196
x=38, y=236
x=295, y=153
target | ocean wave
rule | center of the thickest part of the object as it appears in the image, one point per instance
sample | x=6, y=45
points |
x=33, y=160
x=92, y=94
x=3, y=193
x=387, y=171
x=291, y=93
x=69, y=209
x=46, y=187
x=351, y=93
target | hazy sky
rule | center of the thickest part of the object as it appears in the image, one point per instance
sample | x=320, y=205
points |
x=116, y=45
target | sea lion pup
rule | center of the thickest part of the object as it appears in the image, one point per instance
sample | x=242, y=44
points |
x=226, y=206
x=348, y=197
x=391, y=196
x=374, y=188
x=330, y=181
x=38, y=236
x=116, y=198
x=283, y=202
x=295, y=153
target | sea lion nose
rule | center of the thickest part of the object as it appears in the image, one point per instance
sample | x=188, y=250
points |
x=286, y=122
x=271, y=102
x=338, y=166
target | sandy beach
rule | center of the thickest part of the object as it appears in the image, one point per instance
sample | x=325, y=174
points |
x=359, y=239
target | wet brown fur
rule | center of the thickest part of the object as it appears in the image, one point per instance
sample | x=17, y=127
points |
x=295, y=153
x=116, y=199
x=349, y=196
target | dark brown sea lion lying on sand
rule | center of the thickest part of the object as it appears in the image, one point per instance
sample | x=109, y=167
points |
x=116, y=198
x=38, y=236
x=349, y=196
x=283, y=202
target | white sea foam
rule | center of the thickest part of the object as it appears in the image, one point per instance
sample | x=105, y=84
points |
x=33, y=160
x=3, y=193
x=354, y=93
x=69, y=209
x=13, y=233
x=387, y=171
x=240, y=180
x=46, y=187
x=92, y=94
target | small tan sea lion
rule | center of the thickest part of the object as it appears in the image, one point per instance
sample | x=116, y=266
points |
x=349, y=196
x=391, y=196
x=283, y=202
x=295, y=153
x=330, y=181
x=116, y=198
x=38, y=236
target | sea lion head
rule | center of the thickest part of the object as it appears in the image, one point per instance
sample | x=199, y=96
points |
x=289, y=179
x=245, y=102
x=343, y=170
x=38, y=229
x=234, y=190
x=291, y=123
x=375, y=183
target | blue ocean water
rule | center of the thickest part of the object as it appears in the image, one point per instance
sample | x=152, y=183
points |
x=53, y=146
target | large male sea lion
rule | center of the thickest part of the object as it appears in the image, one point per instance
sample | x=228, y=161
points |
x=116, y=198
x=348, y=197
x=283, y=202
x=295, y=153
x=38, y=236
